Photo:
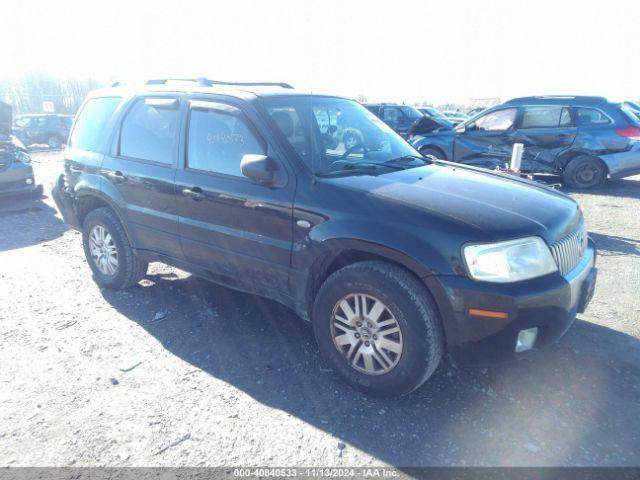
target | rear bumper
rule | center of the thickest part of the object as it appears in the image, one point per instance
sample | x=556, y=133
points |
x=17, y=178
x=549, y=303
x=64, y=202
x=623, y=164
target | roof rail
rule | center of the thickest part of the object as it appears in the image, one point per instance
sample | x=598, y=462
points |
x=205, y=82
x=584, y=98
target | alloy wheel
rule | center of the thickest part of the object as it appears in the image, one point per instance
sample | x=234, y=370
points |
x=104, y=253
x=366, y=333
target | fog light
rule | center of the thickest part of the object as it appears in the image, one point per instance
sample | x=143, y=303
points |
x=526, y=339
x=29, y=181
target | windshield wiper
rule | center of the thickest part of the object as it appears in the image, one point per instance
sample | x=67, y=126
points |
x=361, y=167
x=398, y=161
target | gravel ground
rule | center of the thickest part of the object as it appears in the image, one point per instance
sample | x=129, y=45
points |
x=89, y=378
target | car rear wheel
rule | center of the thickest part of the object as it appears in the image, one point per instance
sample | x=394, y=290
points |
x=584, y=172
x=378, y=327
x=111, y=258
x=433, y=152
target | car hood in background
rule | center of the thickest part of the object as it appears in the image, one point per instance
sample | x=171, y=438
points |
x=497, y=206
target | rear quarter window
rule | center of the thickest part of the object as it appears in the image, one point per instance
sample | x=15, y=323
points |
x=92, y=120
x=591, y=117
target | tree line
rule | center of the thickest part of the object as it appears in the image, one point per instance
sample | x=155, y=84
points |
x=27, y=93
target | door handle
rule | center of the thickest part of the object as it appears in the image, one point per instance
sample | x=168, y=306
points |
x=195, y=193
x=117, y=176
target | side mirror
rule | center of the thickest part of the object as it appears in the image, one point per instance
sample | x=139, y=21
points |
x=259, y=168
x=461, y=128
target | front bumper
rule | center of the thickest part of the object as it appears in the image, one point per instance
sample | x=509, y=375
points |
x=549, y=303
x=623, y=164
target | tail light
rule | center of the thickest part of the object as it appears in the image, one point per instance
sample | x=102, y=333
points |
x=632, y=133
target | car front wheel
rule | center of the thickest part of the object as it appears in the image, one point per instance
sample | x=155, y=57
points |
x=432, y=152
x=378, y=327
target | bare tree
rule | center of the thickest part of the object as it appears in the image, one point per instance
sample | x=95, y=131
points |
x=27, y=93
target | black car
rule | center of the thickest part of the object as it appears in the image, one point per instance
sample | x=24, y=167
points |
x=16, y=172
x=584, y=139
x=398, y=117
x=43, y=128
x=395, y=258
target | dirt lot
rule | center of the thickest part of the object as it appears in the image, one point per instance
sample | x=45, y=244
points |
x=87, y=377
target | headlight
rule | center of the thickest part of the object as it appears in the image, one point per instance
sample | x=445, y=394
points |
x=510, y=261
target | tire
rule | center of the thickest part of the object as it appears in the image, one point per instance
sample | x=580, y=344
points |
x=584, y=172
x=434, y=152
x=54, y=142
x=129, y=269
x=407, y=302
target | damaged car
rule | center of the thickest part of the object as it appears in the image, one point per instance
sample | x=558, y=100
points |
x=16, y=173
x=583, y=139
x=396, y=259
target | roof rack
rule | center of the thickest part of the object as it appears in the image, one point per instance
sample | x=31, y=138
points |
x=205, y=82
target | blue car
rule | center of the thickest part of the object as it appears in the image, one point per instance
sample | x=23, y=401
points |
x=584, y=139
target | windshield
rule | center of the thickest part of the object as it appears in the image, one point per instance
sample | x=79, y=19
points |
x=338, y=135
x=411, y=112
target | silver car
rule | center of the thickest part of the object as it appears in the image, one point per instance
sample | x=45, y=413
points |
x=16, y=172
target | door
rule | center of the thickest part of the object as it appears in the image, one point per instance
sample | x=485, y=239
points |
x=546, y=131
x=238, y=230
x=488, y=141
x=139, y=173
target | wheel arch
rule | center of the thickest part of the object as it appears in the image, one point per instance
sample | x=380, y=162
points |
x=88, y=200
x=355, y=251
x=566, y=158
x=434, y=147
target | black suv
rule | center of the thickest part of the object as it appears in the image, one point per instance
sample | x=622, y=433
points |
x=584, y=139
x=398, y=117
x=396, y=259
x=43, y=128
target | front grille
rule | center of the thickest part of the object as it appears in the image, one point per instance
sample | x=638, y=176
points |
x=568, y=251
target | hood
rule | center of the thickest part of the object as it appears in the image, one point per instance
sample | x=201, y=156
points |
x=5, y=119
x=496, y=206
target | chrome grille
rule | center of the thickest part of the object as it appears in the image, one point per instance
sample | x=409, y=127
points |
x=568, y=251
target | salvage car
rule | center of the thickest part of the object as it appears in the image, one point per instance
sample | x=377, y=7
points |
x=398, y=117
x=395, y=259
x=16, y=173
x=45, y=128
x=584, y=139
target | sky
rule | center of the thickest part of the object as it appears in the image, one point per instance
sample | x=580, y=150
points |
x=403, y=51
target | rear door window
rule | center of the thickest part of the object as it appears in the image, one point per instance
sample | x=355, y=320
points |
x=551, y=116
x=591, y=116
x=149, y=130
x=91, y=123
